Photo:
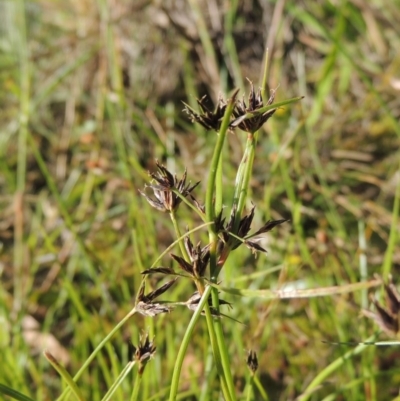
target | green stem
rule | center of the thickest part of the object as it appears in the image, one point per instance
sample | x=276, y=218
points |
x=210, y=211
x=119, y=380
x=184, y=345
x=97, y=350
x=178, y=234
x=222, y=348
x=388, y=259
x=243, y=177
x=215, y=329
x=24, y=90
x=219, y=188
x=65, y=375
x=325, y=373
x=250, y=391
x=226, y=388
x=264, y=84
x=136, y=387
x=189, y=204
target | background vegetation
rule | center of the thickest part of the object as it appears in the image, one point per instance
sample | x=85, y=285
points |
x=90, y=96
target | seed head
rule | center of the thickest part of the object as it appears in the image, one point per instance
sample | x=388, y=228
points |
x=387, y=317
x=144, y=303
x=193, y=302
x=252, y=361
x=229, y=242
x=255, y=103
x=210, y=120
x=165, y=182
x=143, y=352
x=199, y=258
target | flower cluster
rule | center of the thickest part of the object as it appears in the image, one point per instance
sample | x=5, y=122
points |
x=141, y=354
x=387, y=317
x=166, y=189
x=249, y=117
x=229, y=242
x=169, y=191
x=210, y=120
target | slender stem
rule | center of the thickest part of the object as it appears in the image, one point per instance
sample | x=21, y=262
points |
x=243, y=178
x=136, y=387
x=215, y=329
x=264, y=83
x=250, y=390
x=216, y=351
x=393, y=236
x=118, y=381
x=222, y=348
x=177, y=241
x=184, y=345
x=178, y=234
x=24, y=114
x=219, y=188
x=96, y=351
x=65, y=375
x=189, y=204
x=328, y=370
x=210, y=211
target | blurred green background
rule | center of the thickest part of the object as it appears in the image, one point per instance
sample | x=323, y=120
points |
x=91, y=94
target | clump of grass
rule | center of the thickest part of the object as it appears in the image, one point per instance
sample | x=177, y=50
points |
x=202, y=264
x=80, y=133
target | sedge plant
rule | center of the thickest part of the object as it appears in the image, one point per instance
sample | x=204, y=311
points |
x=199, y=263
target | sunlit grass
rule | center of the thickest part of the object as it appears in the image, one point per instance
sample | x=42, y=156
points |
x=91, y=95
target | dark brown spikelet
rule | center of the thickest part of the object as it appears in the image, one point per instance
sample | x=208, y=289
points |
x=144, y=303
x=145, y=350
x=255, y=103
x=229, y=242
x=163, y=189
x=252, y=361
x=161, y=270
x=199, y=258
x=193, y=302
x=387, y=317
x=210, y=120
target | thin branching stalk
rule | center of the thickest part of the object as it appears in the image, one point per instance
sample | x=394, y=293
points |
x=394, y=234
x=243, y=180
x=210, y=209
x=219, y=349
x=65, y=375
x=177, y=241
x=24, y=115
x=327, y=371
x=97, y=350
x=136, y=387
x=189, y=204
x=250, y=390
x=118, y=381
x=184, y=253
x=222, y=348
x=185, y=343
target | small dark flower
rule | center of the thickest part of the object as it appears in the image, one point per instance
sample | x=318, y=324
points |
x=255, y=103
x=387, y=318
x=252, y=361
x=229, y=242
x=193, y=302
x=143, y=352
x=166, y=199
x=199, y=258
x=210, y=120
x=162, y=270
x=145, y=304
